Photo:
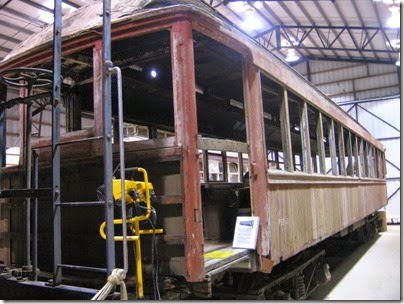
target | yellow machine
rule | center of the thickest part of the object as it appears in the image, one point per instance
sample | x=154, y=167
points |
x=136, y=192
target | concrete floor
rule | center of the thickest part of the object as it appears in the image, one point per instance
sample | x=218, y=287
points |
x=371, y=272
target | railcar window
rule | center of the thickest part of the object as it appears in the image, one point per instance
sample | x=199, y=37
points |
x=340, y=147
x=220, y=107
x=349, y=154
x=312, y=126
x=77, y=107
x=296, y=133
x=276, y=120
x=145, y=62
x=330, y=146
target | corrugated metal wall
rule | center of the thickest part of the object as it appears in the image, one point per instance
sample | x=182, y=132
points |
x=350, y=85
x=343, y=81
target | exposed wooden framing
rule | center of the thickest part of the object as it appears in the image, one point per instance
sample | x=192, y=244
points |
x=332, y=147
x=285, y=133
x=225, y=168
x=97, y=89
x=350, y=154
x=367, y=160
x=305, y=137
x=320, y=143
x=206, y=143
x=358, y=167
x=240, y=167
x=362, y=158
x=341, y=151
x=182, y=60
x=205, y=157
x=314, y=162
x=257, y=157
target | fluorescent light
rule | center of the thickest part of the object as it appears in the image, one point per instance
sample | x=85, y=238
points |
x=153, y=73
x=258, y=4
x=292, y=56
x=239, y=6
x=285, y=42
x=395, y=43
x=398, y=60
x=394, y=20
x=252, y=23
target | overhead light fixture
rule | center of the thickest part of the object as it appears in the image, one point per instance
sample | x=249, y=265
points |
x=286, y=43
x=394, y=20
x=239, y=6
x=251, y=23
x=153, y=73
x=292, y=56
x=395, y=43
x=398, y=60
x=258, y=4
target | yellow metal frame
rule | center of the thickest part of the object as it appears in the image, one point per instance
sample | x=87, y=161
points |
x=144, y=189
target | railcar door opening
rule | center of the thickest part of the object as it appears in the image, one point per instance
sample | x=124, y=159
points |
x=222, y=142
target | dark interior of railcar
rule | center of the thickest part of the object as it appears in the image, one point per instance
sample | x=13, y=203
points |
x=220, y=114
x=149, y=114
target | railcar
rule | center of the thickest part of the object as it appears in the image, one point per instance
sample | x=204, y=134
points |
x=223, y=127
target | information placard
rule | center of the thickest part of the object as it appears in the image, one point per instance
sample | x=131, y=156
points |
x=246, y=232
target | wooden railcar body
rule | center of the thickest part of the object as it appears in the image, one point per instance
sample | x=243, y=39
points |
x=296, y=209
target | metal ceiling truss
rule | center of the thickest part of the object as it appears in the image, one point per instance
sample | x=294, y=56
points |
x=305, y=31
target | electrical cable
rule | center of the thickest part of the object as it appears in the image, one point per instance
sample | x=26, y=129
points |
x=155, y=269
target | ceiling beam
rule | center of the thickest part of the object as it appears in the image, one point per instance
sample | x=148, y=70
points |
x=351, y=59
x=35, y=21
x=10, y=39
x=16, y=27
x=290, y=14
x=379, y=21
x=362, y=23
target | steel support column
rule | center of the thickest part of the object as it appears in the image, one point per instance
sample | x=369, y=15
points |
x=56, y=91
x=107, y=112
x=3, y=129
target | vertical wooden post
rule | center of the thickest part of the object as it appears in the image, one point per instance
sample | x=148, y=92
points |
x=305, y=138
x=3, y=129
x=333, y=149
x=341, y=151
x=183, y=75
x=358, y=167
x=205, y=159
x=350, y=160
x=285, y=133
x=225, y=168
x=258, y=157
x=240, y=167
x=320, y=143
x=97, y=89
x=362, y=158
x=367, y=160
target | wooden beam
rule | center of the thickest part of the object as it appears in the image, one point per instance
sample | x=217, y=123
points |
x=258, y=159
x=333, y=148
x=367, y=160
x=341, y=151
x=285, y=133
x=358, y=167
x=320, y=143
x=186, y=129
x=97, y=89
x=362, y=158
x=305, y=137
x=350, y=158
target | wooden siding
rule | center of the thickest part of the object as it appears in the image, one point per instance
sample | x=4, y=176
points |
x=305, y=209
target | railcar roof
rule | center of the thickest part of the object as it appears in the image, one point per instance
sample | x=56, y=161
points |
x=89, y=17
